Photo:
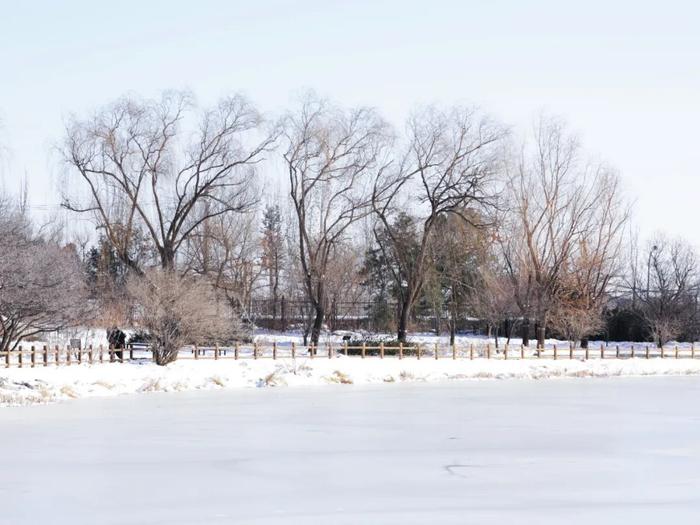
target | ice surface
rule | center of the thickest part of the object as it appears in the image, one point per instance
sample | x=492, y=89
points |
x=620, y=450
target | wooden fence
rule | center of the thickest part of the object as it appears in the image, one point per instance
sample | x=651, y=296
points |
x=33, y=356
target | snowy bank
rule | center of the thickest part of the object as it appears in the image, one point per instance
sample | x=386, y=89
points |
x=42, y=385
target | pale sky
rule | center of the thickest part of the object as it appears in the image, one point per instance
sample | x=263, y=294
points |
x=625, y=74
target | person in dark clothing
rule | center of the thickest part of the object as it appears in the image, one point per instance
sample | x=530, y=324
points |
x=117, y=341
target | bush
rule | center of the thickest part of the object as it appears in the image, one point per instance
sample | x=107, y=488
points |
x=177, y=311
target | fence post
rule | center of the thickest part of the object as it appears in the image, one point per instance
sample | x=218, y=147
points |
x=20, y=356
x=418, y=350
x=345, y=348
x=663, y=353
x=216, y=351
x=7, y=358
x=235, y=351
x=522, y=351
x=571, y=350
x=80, y=356
x=617, y=351
x=400, y=350
x=676, y=351
x=602, y=351
x=692, y=350
x=330, y=350
x=45, y=355
x=381, y=350
x=587, y=353
x=32, y=356
x=57, y=350
x=274, y=350
x=312, y=351
x=90, y=359
x=101, y=354
x=646, y=351
x=131, y=352
x=471, y=351
x=255, y=350
x=632, y=352
x=294, y=350
x=69, y=357
x=436, y=351
x=196, y=352
x=454, y=351
x=364, y=349
x=488, y=350
x=555, y=352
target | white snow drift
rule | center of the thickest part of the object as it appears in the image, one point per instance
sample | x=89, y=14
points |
x=40, y=385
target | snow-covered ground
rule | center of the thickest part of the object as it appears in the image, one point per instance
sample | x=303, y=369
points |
x=429, y=339
x=608, y=451
x=96, y=337
x=40, y=385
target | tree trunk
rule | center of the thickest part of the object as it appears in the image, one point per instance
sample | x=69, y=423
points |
x=167, y=258
x=525, y=331
x=403, y=322
x=283, y=307
x=540, y=330
x=318, y=324
x=307, y=326
x=274, y=312
x=453, y=328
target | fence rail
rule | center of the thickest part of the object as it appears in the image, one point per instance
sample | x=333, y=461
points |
x=65, y=356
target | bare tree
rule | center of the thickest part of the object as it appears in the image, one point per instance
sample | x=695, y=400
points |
x=667, y=288
x=575, y=320
x=273, y=251
x=177, y=311
x=449, y=164
x=143, y=170
x=41, y=283
x=492, y=300
x=461, y=252
x=564, y=225
x=343, y=284
x=225, y=250
x=332, y=156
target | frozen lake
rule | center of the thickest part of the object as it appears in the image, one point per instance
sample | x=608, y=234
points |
x=494, y=452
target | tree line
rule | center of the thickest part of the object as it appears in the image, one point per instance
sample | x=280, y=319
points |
x=199, y=211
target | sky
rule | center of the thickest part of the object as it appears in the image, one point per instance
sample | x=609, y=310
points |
x=624, y=74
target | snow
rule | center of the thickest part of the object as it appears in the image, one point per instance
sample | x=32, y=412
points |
x=48, y=384
x=613, y=451
x=463, y=341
